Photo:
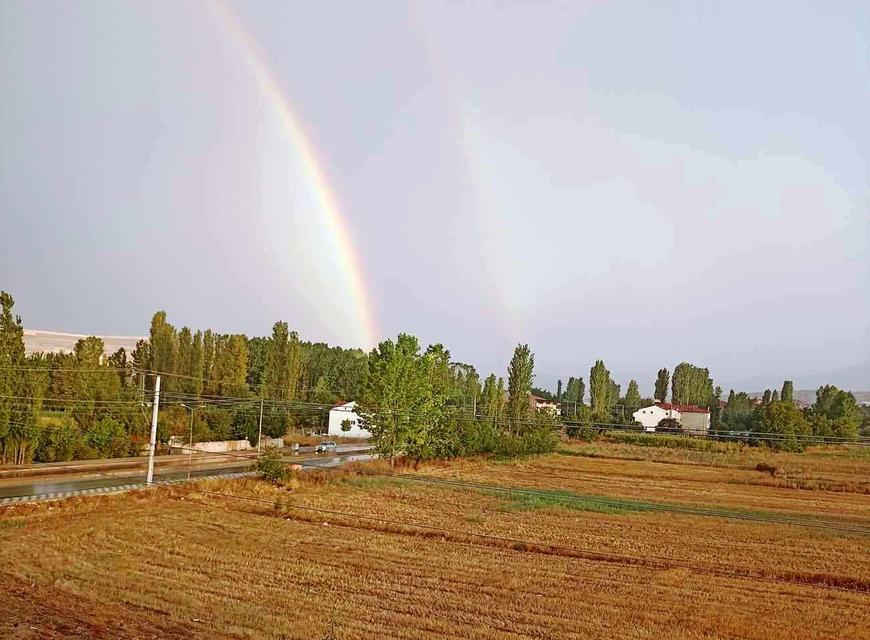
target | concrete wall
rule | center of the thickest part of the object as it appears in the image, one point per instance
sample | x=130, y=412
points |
x=179, y=445
x=697, y=423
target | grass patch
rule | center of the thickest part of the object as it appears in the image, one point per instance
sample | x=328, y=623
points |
x=671, y=442
x=514, y=502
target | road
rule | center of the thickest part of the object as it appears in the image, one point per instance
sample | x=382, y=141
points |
x=94, y=481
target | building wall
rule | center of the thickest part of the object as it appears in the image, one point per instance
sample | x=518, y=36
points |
x=650, y=416
x=695, y=422
x=337, y=415
x=178, y=444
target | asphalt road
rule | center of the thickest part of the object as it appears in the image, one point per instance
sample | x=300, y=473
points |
x=25, y=489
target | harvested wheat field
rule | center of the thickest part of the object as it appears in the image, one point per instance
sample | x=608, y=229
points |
x=359, y=554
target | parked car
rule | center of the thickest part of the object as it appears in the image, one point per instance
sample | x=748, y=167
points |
x=325, y=447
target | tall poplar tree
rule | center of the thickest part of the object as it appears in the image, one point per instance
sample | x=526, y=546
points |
x=520, y=377
x=601, y=389
x=283, y=366
x=632, y=396
x=663, y=381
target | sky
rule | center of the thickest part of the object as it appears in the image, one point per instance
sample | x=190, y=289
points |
x=645, y=183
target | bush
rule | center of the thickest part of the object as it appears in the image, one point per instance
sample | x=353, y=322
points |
x=59, y=442
x=271, y=468
x=533, y=442
x=108, y=438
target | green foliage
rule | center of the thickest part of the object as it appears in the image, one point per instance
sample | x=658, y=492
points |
x=492, y=399
x=465, y=385
x=283, y=367
x=738, y=415
x=21, y=392
x=787, y=393
x=666, y=441
x=397, y=405
x=691, y=385
x=785, y=422
x=60, y=443
x=663, y=380
x=271, y=468
x=835, y=413
x=632, y=397
x=545, y=394
x=520, y=377
x=603, y=392
x=108, y=438
x=575, y=391
x=671, y=425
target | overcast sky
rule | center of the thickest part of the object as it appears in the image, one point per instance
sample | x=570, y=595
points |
x=642, y=182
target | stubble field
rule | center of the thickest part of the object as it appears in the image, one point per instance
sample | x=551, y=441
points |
x=600, y=541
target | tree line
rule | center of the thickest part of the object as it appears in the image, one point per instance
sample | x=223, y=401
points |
x=421, y=403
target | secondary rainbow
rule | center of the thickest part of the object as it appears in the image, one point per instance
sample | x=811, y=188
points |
x=350, y=262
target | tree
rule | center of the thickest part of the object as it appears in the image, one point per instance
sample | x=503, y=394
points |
x=231, y=365
x=835, y=413
x=632, y=396
x=12, y=414
x=737, y=415
x=196, y=364
x=774, y=396
x=492, y=399
x=691, y=385
x=765, y=397
x=209, y=348
x=164, y=349
x=520, y=377
x=783, y=425
x=559, y=391
x=572, y=400
x=184, y=360
x=601, y=389
x=396, y=403
x=787, y=393
x=283, y=365
x=663, y=380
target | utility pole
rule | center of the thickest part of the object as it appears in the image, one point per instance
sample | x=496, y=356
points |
x=152, y=447
x=260, y=431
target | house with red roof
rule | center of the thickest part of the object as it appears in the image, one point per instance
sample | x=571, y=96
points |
x=692, y=419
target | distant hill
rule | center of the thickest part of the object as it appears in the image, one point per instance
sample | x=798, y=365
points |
x=36, y=341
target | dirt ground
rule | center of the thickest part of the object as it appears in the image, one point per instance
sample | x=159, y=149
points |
x=372, y=557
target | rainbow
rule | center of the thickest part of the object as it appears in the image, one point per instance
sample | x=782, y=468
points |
x=337, y=227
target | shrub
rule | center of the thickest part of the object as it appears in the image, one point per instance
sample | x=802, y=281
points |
x=108, y=438
x=271, y=468
x=59, y=443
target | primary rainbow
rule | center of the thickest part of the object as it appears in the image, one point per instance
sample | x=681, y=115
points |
x=339, y=232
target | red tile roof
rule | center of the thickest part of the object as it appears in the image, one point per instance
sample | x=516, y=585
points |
x=682, y=408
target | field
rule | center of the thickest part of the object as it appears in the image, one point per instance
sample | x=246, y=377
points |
x=599, y=540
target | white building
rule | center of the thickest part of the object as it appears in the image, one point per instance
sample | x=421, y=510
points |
x=346, y=411
x=692, y=419
x=649, y=417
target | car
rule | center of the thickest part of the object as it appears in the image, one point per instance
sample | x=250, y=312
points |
x=325, y=447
